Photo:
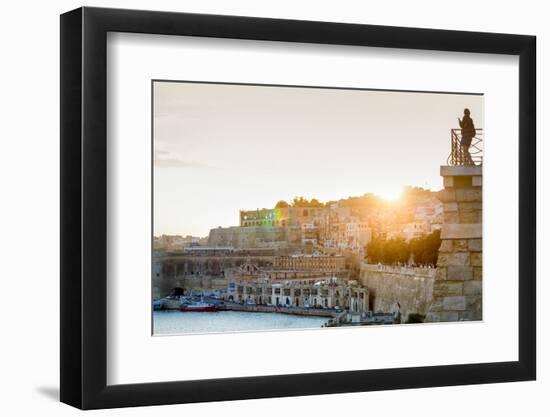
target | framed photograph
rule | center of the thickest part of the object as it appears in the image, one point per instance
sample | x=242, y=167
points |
x=258, y=208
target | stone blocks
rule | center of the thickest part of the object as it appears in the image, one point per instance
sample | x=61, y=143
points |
x=460, y=273
x=448, y=316
x=469, y=315
x=451, y=217
x=433, y=317
x=441, y=273
x=411, y=287
x=447, y=195
x=475, y=245
x=443, y=288
x=461, y=231
x=477, y=259
x=468, y=194
x=446, y=246
x=436, y=306
x=478, y=272
x=469, y=216
x=460, y=171
x=457, y=291
x=450, y=207
x=460, y=245
x=448, y=181
x=454, y=303
x=458, y=259
x=472, y=287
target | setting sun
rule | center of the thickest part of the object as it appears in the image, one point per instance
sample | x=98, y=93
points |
x=391, y=194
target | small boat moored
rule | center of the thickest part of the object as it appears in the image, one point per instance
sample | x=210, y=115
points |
x=198, y=307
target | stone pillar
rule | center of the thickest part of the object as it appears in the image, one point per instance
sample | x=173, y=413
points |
x=458, y=281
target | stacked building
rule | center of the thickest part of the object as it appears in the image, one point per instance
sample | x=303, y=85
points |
x=294, y=227
x=331, y=293
x=331, y=226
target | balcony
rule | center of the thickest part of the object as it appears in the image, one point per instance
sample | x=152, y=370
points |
x=459, y=156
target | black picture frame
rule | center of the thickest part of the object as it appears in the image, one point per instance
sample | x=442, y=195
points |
x=84, y=207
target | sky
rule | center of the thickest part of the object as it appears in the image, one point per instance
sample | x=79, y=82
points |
x=221, y=148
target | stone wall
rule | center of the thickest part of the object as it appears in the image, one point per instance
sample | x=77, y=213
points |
x=457, y=292
x=191, y=272
x=255, y=236
x=163, y=285
x=411, y=287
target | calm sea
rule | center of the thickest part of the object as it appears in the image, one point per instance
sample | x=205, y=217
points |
x=176, y=322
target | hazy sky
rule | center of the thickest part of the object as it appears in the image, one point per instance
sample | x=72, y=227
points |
x=221, y=148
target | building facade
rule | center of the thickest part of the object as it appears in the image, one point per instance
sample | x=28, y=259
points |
x=330, y=293
x=315, y=262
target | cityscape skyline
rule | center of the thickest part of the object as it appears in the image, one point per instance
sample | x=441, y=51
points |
x=389, y=200
x=221, y=148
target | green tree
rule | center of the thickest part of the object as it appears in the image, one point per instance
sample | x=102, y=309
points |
x=299, y=202
x=366, y=201
x=424, y=250
x=302, y=202
x=315, y=203
x=375, y=250
x=281, y=204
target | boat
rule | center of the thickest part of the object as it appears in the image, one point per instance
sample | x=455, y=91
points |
x=198, y=307
x=170, y=303
x=218, y=304
x=185, y=301
x=157, y=305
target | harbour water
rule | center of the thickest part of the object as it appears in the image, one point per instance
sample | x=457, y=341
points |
x=176, y=322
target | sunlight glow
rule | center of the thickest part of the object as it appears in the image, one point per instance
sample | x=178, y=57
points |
x=390, y=194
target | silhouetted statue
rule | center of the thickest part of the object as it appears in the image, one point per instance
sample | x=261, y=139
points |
x=468, y=131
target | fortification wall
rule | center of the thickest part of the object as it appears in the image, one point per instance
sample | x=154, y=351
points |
x=163, y=285
x=411, y=287
x=255, y=236
x=458, y=284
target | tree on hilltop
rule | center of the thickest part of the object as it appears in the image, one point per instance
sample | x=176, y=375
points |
x=302, y=202
x=281, y=204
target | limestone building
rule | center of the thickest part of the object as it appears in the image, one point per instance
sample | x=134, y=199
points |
x=326, y=293
x=315, y=262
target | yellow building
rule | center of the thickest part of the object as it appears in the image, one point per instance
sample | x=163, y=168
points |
x=310, y=262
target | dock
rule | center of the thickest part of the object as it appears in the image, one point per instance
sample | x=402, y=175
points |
x=298, y=311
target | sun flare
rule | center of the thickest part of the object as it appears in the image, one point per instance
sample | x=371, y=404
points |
x=391, y=194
